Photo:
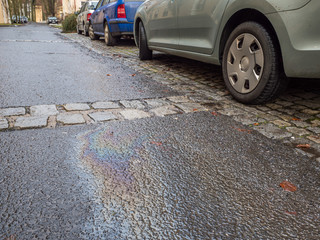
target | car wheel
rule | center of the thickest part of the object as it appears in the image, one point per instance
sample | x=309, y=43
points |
x=85, y=30
x=108, y=38
x=78, y=31
x=91, y=33
x=144, y=52
x=251, y=64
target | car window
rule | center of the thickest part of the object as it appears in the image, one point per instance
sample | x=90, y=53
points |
x=105, y=2
x=82, y=8
x=99, y=3
x=134, y=0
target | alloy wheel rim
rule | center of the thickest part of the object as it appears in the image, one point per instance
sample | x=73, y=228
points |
x=90, y=31
x=245, y=63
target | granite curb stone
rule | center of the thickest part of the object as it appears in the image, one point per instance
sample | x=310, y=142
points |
x=70, y=119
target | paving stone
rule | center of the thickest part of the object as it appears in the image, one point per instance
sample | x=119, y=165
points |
x=297, y=107
x=105, y=105
x=281, y=123
x=263, y=108
x=153, y=103
x=76, y=106
x=309, y=104
x=231, y=111
x=246, y=119
x=285, y=117
x=131, y=114
x=12, y=111
x=268, y=117
x=31, y=122
x=165, y=110
x=304, y=153
x=271, y=131
x=314, y=129
x=132, y=104
x=285, y=103
x=310, y=111
x=214, y=96
x=315, y=123
x=3, y=124
x=179, y=99
x=43, y=110
x=102, y=116
x=191, y=107
x=298, y=131
x=69, y=119
x=314, y=138
x=301, y=124
x=274, y=106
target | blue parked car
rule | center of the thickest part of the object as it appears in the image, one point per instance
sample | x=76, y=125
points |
x=113, y=19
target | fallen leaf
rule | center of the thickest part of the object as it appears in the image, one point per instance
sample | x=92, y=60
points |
x=243, y=130
x=288, y=186
x=303, y=146
x=109, y=75
x=133, y=75
x=256, y=124
x=157, y=143
x=291, y=213
x=214, y=114
x=195, y=109
x=296, y=119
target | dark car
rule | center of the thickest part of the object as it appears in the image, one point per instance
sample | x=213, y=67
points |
x=113, y=19
x=52, y=20
x=24, y=19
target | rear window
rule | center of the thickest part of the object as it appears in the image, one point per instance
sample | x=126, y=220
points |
x=92, y=5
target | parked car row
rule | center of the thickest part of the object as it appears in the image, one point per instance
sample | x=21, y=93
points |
x=111, y=19
x=258, y=43
x=19, y=19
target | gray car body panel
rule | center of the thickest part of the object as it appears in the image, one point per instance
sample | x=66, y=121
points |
x=82, y=22
x=294, y=21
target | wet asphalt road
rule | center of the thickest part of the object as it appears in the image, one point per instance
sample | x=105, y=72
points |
x=41, y=67
x=148, y=179
x=191, y=176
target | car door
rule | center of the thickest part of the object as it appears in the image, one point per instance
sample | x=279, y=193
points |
x=162, y=23
x=198, y=22
x=84, y=9
x=79, y=18
x=95, y=16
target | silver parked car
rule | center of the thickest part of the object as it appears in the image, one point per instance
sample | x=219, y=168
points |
x=258, y=43
x=84, y=15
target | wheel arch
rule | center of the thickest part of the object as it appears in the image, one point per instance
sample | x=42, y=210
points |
x=242, y=16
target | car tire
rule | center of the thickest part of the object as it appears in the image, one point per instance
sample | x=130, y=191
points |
x=85, y=30
x=92, y=35
x=108, y=38
x=78, y=31
x=251, y=64
x=144, y=52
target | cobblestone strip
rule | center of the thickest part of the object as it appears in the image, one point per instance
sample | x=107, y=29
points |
x=50, y=116
x=293, y=118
